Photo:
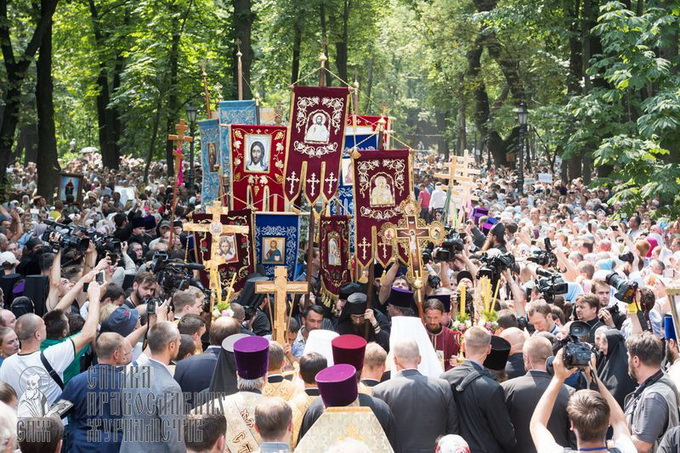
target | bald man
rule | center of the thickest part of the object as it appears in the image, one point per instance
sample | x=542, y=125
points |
x=484, y=420
x=515, y=365
x=524, y=392
x=420, y=404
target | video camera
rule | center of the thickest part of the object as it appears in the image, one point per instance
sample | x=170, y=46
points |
x=175, y=275
x=550, y=285
x=68, y=237
x=544, y=257
x=577, y=353
x=625, y=290
x=453, y=244
x=495, y=264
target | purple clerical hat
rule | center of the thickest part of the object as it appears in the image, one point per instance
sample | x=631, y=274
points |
x=349, y=349
x=252, y=357
x=338, y=385
x=401, y=298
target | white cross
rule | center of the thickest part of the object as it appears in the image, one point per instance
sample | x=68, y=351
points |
x=292, y=179
x=331, y=180
x=313, y=181
x=383, y=244
x=364, y=245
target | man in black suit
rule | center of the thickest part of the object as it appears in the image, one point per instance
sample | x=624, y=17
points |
x=524, y=392
x=484, y=420
x=193, y=374
x=423, y=407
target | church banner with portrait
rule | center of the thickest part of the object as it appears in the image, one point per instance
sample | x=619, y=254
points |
x=235, y=254
x=232, y=112
x=382, y=181
x=334, y=256
x=315, y=142
x=277, y=240
x=258, y=157
x=211, y=158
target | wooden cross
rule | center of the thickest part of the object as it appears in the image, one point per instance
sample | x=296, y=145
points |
x=181, y=128
x=215, y=228
x=281, y=287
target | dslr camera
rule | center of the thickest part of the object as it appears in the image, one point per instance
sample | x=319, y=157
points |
x=625, y=290
x=577, y=353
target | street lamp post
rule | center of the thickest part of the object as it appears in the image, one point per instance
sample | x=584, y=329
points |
x=523, y=117
x=191, y=116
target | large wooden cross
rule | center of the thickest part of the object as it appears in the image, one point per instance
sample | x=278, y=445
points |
x=280, y=287
x=215, y=228
x=181, y=128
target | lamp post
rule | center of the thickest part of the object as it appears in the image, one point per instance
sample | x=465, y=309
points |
x=523, y=117
x=191, y=116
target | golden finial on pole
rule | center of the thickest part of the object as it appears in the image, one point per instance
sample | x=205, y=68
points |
x=322, y=70
x=257, y=99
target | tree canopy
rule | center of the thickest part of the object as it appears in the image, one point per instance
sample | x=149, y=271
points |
x=600, y=78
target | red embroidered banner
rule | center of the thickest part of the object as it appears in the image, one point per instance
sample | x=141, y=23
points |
x=334, y=256
x=258, y=159
x=315, y=141
x=236, y=251
x=381, y=182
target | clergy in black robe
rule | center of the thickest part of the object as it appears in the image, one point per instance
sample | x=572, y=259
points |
x=484, y=419
x=343, y=391
x=354, y=321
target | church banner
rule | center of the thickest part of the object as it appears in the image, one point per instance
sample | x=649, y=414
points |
x=235, y=254
x=211, y=158
x=277, y=240
x=258, y=158
x=334, y=256
x=232, y=112
x=382, y=182
x=367, y=125
x=315, y=142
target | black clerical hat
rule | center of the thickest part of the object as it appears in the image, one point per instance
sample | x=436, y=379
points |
x=498, y=357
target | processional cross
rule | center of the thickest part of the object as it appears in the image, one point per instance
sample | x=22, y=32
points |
x=280, y=287
x=215, y=228
x=413, y=232
x=460, y=182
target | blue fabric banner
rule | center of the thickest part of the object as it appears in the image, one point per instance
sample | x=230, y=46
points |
x=210, y=159
x=277, y=239
x=233, y=112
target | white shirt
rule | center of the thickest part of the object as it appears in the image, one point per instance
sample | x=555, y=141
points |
x=437, y=199
x=16, y=369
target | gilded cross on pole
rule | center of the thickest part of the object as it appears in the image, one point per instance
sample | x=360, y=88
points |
x=281, y=287
x=216, y=229
x=414, y=233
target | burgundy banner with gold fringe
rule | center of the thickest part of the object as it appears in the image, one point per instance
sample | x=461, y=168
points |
x=236, y=250
x=382, y=180
x=315, y=142
x=334, y=256
x=258, y=160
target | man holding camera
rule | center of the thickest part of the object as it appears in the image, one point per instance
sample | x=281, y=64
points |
x=590, y=413
x=653, y=408
x=587, y=310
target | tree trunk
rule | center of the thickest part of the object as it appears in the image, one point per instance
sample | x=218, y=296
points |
x=243, y=25
x=461, y=142
x=341, y=51
x=369, y=82
x=297, y=45
x=47, y=165
x=15, y=69
x=442, y=144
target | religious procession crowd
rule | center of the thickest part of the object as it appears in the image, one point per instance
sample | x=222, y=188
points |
x=550, y=324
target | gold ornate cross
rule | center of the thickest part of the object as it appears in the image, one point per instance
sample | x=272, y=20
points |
x=280, y=287
x=215, y=228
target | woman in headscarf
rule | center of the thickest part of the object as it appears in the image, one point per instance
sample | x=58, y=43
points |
x=612, y=364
